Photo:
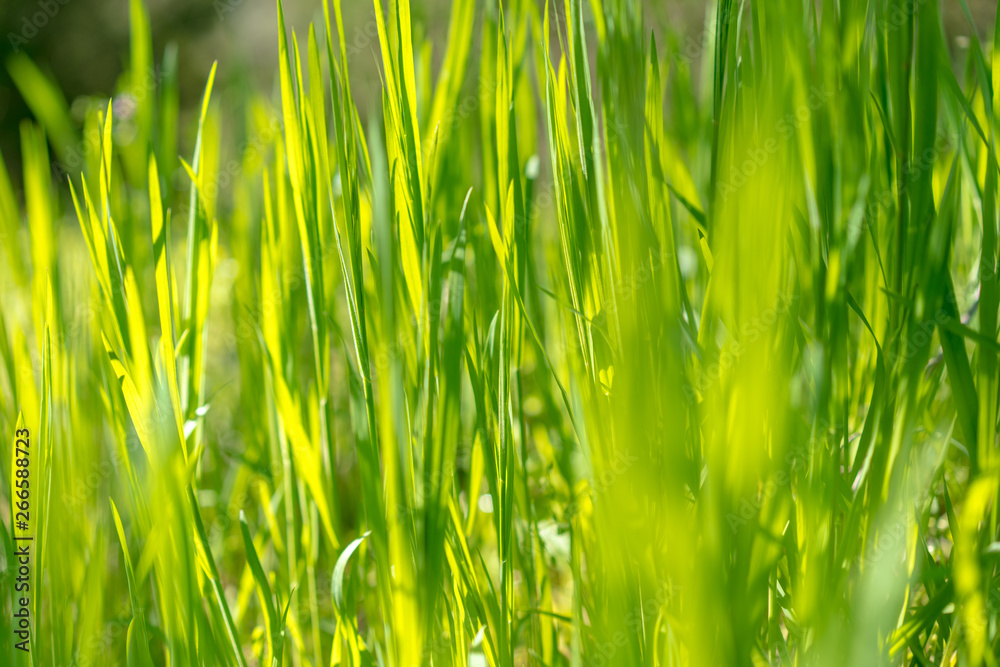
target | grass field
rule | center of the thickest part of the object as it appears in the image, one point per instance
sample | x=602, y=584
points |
x=588, y=347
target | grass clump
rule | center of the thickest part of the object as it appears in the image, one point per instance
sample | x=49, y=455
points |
x=570, y=352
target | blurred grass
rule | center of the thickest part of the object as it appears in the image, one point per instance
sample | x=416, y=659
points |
x=83, y=42
x=571, y=346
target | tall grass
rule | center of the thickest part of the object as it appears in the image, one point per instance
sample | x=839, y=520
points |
x=574, y=351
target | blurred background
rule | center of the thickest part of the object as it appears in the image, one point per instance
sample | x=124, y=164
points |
x=83, y=44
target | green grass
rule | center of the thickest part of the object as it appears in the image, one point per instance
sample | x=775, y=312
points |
x=572, y=352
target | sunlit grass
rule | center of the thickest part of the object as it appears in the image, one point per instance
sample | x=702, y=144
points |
x=574, y=351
